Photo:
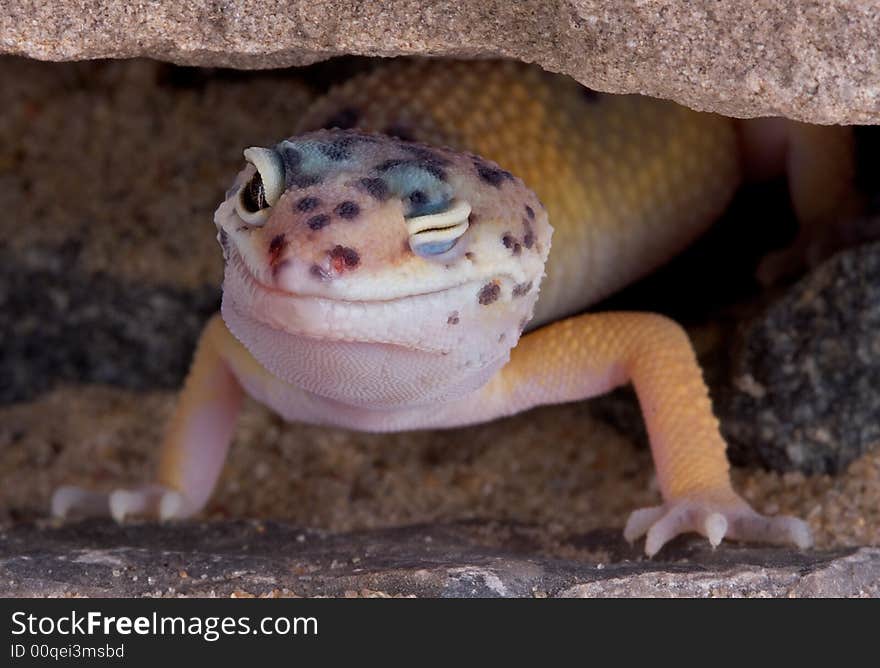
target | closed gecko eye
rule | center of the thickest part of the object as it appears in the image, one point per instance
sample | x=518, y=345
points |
x=436, y=233
x=257, y=196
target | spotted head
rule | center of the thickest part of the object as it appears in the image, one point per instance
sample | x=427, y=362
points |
x=343, y=237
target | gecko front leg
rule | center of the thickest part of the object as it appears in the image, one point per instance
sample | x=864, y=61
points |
x=591, y=354
x=195, y=444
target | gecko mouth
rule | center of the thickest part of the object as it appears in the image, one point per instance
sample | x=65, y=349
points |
x=243, y=272
x=416, y=321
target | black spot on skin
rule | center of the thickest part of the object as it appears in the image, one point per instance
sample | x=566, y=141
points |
x=307, y=204
x=489, y=293
x=491, y=174
x=470, y=256
x=529, y=237
x=344, y=119
x=319, y=221
x=426, y=155
x=418, y=198
x=389, y=164
x=590, y=95
x=376, y=188
x=453, y=318
x=276, y=248
x=512, y=244
x=399, y=131
x=347, y=210
x=433, y=170
x=290, y=157
x=343, y=257
x=522, y=289
x=530, y=212
x=336, y=151
x=293, y=175
x=428, y=166
x=301, y=180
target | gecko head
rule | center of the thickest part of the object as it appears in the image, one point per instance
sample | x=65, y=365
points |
x=344, y=236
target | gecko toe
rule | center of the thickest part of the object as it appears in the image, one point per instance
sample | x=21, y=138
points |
x=69, y=500
x=144, y=500
x=778, y=530
x=640, y=521
x=674, y=521
x=171, y=506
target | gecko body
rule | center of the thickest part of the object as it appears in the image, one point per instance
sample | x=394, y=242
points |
x=414, y=255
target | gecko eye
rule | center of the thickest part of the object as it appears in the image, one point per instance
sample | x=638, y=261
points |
x=436, y=233
x=264, y=188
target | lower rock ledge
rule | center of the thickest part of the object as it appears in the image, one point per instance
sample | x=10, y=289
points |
x=472, y=559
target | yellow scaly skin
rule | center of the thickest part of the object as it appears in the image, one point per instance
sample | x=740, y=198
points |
x=626, y=183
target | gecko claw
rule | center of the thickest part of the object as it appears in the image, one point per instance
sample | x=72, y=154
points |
x=715, y=528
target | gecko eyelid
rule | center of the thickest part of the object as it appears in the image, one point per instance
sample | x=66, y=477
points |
x=456, y=214
x=436, y=233
x=257, y=196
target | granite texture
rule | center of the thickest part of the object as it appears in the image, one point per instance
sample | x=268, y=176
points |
x=81, y=328
x=805, y=375
x=473, y=559
x=814, y=61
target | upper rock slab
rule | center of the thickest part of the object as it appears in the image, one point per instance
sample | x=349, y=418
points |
x=814, y=61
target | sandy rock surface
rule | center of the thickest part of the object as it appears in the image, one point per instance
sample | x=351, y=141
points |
x=816, y=61
x=462, y=560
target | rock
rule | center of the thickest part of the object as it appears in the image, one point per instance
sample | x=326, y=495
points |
x=816, y=62
x=806, y=374
x=453, y=560
x=91, y=329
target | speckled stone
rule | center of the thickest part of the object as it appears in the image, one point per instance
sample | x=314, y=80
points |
x=458, y=560
x=91, y=328
x=811, y=61
x=805, y=381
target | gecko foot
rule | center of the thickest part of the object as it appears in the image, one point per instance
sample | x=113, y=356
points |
x=733, y=519
x=148, y=500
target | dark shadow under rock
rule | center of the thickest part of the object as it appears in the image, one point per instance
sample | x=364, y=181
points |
x=474, y=559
